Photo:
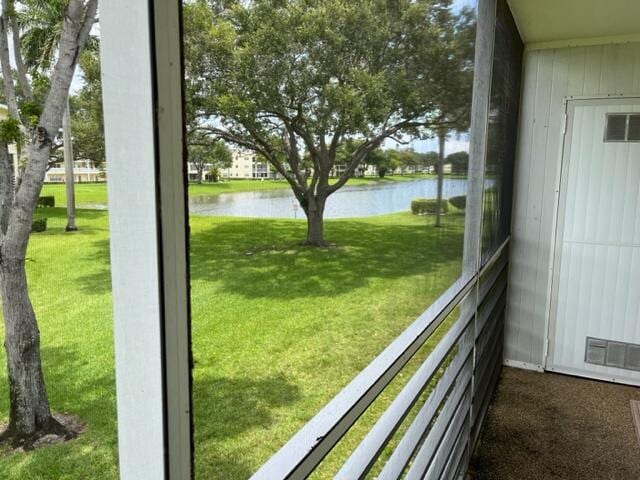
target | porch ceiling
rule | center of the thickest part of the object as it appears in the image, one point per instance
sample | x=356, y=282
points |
x=548, y=21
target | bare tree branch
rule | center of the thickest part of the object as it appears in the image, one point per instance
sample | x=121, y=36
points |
x=364, y=148
x=335, y=142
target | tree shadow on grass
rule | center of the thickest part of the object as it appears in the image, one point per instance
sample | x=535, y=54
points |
x=258, y=258
x=263, y=257
x=226, y=408
x=98, y=282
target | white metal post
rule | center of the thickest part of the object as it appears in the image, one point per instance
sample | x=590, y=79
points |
x=142, y=94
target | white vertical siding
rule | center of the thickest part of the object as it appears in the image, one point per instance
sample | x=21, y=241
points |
x=597, y=274
x=549, y=77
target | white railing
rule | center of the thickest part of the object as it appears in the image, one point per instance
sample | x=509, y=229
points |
x=461, y=372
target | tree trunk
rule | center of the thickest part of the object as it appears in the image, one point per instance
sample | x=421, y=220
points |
x=29, y=413
x=441, y=143
x=29, y=417
x=315, y=222
x=199, y=173
x=68, y=171
x=315, y=230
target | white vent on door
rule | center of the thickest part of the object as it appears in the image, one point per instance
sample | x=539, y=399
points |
x=633, y=357
x=610, y=353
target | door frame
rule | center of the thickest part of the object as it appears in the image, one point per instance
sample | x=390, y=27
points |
x=570, y=104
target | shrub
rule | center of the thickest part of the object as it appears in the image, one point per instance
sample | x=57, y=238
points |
x=39, y=224
x=428, y=206
x=214, y=174
x=48, y=201
x=460, y=202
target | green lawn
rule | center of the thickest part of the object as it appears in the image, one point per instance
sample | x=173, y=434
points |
x=95, y=194
x=278, y=329
x=87, y=194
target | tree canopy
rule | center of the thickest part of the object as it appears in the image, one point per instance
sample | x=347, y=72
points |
x=459, y=162
x=286, y=77
x=208, y=154
x=86, y=112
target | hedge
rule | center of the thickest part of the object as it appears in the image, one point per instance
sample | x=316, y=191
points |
x=428, y=206
x=460, y=202
x=39, y=224
x=47, y=201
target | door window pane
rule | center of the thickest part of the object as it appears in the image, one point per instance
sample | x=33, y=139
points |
x=616, y=128
x=633, y=134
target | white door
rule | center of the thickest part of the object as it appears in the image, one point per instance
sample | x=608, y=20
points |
x=594, y=327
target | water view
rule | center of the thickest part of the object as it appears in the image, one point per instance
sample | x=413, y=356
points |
x=350, y=201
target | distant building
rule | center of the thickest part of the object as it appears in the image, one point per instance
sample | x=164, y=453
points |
x=193, y=174
x=83, y=171
x=361, y=171
x=246, y=164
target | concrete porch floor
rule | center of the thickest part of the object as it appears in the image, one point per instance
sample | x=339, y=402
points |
x=547, y=426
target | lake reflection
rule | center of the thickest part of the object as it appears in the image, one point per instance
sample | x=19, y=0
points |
x=354, y=201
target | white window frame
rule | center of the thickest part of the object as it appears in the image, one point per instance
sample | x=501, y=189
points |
x=144, y=132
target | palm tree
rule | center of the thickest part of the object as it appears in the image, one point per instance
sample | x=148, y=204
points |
x=41, y=23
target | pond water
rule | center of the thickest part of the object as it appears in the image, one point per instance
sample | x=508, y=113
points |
x=349, y=201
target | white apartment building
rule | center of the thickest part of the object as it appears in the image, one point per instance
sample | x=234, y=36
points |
x=247, y=165
x=83, y=171
x=361, y=171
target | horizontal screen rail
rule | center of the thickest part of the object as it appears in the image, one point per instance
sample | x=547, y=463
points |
x=367, y=452
x=495, y=257
x=419, y=428
x=456, y=407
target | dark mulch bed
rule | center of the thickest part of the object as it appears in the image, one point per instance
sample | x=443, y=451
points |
x=547, y=426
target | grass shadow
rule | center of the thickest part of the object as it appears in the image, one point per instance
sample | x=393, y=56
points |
x=97, y=282
x=227, y=408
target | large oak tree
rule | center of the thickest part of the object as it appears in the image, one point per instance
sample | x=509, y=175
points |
x=295, y=78
x=35, y=121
